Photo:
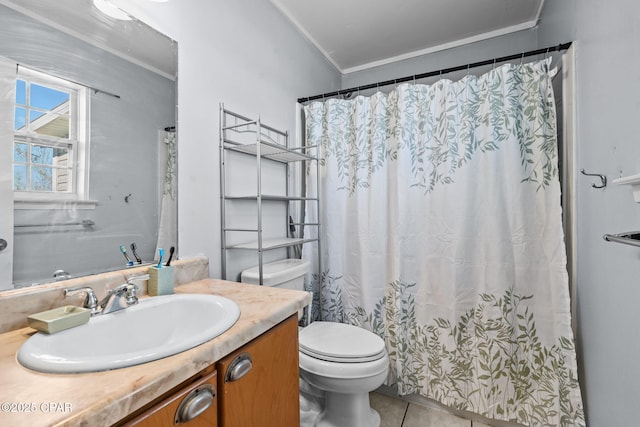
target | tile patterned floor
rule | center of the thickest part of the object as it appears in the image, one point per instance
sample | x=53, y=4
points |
x=394, y=412
x=399, y=413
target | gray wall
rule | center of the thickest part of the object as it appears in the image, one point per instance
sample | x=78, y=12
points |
x=474, y=52
x=124, y=150
x=247, y=55
x=607, y=34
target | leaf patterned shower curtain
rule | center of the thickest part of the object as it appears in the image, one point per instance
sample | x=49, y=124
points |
x=168, y=222
x=441, y=232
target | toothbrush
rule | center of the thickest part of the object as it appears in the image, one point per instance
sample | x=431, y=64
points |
x=171, y=251
x=124, y=252
x=135, y=254
x=160, y=255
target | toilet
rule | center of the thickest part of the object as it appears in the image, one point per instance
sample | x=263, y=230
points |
x=343, y=361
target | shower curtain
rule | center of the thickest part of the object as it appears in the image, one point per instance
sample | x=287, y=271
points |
x=442, y=233
x=168, y=222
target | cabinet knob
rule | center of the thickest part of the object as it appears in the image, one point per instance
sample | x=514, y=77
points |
x=239, y=367
x=3, y=244
x=195, y=403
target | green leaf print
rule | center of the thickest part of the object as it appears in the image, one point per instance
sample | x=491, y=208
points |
x=440, y=128
x=489, y=360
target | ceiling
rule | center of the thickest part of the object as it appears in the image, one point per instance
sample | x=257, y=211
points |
x=131, y=40
x=352, y=34
x=358, y=34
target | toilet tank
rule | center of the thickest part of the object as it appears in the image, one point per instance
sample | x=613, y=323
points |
x=287, y=273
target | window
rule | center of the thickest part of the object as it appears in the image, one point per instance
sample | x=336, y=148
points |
x=50, y=146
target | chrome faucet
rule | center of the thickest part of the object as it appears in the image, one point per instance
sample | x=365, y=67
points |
x=113, y=301
x=127, y=292
x=117, y=299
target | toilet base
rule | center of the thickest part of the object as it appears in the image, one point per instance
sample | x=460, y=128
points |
x=351, y=410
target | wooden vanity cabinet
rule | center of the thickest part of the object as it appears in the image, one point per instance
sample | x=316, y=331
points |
x=255, y=386
x=258, y=384
x=198, y=394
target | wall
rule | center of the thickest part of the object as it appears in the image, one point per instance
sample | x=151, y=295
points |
x=124, y=146
x=608, y=89
x=479, y=51
x=245, y=54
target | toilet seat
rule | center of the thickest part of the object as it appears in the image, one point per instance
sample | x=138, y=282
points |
x=345, y=363
x=339, y=342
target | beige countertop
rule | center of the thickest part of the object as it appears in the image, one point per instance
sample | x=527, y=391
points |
x=34, y=399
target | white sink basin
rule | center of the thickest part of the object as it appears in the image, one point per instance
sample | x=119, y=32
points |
x=154, y=328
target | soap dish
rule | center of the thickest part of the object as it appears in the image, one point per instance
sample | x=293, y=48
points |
x=59, y=319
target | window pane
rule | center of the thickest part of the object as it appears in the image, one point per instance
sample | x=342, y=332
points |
x=50, y=124
x=20, y=119
x=46, y=98
x=48, y=179
x=40, y=162
x=41, y=178
x=21, y=92
x=34, y=115
x=19, y=177
x=20, y=152
x=42, y=155
x=52, y=156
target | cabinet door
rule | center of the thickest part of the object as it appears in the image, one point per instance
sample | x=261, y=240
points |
x=266, y=392
x=197, y=395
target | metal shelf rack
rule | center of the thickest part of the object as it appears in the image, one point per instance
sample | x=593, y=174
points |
x=253, y=138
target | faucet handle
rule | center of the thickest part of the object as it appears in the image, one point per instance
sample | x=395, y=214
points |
x=118, y=290
x=130, y=296
x=90, y=301
x=134, y=278
x=132, y=288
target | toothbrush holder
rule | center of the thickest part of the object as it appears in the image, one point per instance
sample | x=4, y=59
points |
x=161, y=281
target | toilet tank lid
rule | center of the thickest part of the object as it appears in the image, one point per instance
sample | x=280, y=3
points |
x=275, y=273
x=339, y=340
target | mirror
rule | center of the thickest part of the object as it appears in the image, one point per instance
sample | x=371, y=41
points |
x=116, y=181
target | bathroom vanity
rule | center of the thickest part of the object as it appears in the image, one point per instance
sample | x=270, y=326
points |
x=262, y=392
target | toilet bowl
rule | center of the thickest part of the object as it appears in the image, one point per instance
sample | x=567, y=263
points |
x=346, y=362
x=343, y=361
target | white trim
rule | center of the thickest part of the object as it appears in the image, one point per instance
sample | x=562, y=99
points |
x=570, y=128
x=450, y=45
x=479, y=37
x=82, y=167
x=306, y=35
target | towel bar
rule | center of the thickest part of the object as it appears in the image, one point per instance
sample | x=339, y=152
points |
x=629, y=238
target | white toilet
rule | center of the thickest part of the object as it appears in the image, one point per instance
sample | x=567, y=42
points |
x=344, y=361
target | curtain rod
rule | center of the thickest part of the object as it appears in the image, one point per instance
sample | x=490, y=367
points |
x=560, y=47
x=95, y=90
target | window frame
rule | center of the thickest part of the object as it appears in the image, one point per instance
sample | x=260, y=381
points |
x=79, y=143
